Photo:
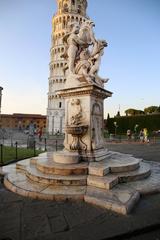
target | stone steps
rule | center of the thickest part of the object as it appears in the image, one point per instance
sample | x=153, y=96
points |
x=19, y=183
x=120, y=201
x=50, y=167
x=100, y=183
x=110, y=180
x=142, y=172
x=114, y=165
x=106, y=182
x=22, y=165
x=108, y=194
x=56, y=180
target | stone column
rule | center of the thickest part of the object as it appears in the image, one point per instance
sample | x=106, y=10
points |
x=84, y=139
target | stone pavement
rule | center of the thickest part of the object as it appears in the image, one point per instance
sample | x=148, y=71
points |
x=26, y=219
x=149, y=152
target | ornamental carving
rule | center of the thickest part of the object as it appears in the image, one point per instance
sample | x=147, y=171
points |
x=76, y=112
x=97, y=125
x=83, y=53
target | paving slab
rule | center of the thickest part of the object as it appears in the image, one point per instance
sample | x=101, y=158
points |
x=83, y=221
x=76, y=220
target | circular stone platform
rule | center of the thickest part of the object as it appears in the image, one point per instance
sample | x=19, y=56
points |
x=48, y=166
x=111, y=183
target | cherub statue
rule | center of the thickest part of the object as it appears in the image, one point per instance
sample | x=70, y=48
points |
x=73, y=44
x=96, y=54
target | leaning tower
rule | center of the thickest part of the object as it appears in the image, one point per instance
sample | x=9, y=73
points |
x=69, y=11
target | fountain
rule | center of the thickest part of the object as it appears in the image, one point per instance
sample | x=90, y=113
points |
x=85, y=169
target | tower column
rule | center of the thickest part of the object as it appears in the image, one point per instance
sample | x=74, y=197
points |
x=68, y=12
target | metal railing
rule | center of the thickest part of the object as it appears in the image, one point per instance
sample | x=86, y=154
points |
x=16, y=146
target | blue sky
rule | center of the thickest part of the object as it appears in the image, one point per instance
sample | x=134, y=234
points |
x=131, y=61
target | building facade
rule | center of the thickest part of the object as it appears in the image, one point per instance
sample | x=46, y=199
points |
x=69, y=11
x=22, y=121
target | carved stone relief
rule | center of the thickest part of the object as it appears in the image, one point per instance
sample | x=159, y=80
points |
x=76, y=112
x=76, y=127
x=97, y=121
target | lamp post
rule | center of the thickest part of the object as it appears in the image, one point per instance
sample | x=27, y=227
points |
x=0, y=103
x=116, y=126
x=135, y=131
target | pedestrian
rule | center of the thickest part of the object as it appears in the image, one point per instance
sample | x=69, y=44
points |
x=145, y=131
x=129, y=134
x=141, y=136
x=40, y=131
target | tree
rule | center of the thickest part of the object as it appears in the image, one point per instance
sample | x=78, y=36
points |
x=152, y=109
x=118, y=114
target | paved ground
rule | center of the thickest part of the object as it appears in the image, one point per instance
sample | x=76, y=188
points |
x=149, y=152
x=26, y=219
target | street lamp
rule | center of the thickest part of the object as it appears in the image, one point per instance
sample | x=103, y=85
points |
x=0, y=103
x=116, y=126
x=135, y=131
x=0, y=97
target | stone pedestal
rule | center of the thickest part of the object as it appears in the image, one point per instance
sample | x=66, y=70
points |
x=84, y=124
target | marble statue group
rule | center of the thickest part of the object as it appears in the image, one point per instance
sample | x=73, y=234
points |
x=83, y=53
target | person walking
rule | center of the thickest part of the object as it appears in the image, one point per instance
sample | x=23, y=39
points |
x=145, y=131
x=129, y=134
x=141, y=136
x=40, y=132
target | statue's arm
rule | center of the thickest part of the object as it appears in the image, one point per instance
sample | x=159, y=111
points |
x=79, y=41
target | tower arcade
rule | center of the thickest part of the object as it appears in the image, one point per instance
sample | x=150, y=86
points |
x=68, y=11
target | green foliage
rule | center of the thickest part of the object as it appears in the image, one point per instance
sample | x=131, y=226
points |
x=151, y=122
x=152, y=109
x=118, y=114
x=9, y=153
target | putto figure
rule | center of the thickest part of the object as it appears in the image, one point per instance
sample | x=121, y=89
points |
x=72, y=43
x=83, y=53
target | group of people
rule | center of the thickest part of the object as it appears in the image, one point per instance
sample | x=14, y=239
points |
x=143, y=135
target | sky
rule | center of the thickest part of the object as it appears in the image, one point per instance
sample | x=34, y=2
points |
x=131, y=60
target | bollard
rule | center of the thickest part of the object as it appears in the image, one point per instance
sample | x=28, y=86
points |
x=16, y=143
x=1, y=154
x=11, y=142
x=56, y=145
x=34, y=148
x=45, y=144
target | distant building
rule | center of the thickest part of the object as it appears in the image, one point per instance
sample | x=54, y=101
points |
x=22, y=121
x=133, y=112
